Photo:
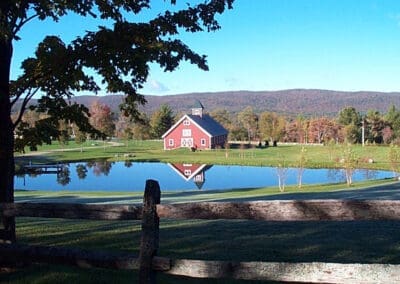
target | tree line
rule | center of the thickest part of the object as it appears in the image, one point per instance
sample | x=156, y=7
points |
x=349, y=126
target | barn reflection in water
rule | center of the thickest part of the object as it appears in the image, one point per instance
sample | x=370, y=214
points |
x=195, y=172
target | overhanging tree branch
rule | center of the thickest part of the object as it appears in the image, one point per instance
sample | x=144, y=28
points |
x=24, y=104
x=21, y=23
x=120, y=55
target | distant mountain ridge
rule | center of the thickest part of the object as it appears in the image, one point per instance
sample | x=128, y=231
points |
x=289, y=102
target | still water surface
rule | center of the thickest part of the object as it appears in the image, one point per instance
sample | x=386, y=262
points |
x=129, y=176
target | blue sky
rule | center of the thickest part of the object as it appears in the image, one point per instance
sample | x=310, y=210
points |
x=347, y=45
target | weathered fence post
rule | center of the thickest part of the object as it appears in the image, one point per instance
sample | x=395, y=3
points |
x=150, y=232
x=7, y=230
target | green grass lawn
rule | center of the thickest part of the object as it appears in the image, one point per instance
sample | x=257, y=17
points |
x=316, y=156
x=243, y=194
x=238, y=240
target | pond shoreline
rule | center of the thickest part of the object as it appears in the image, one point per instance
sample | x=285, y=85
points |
x=131, y=176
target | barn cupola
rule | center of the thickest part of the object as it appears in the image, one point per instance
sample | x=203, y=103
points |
x=197, y=109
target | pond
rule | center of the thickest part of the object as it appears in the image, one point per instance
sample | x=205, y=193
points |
x=131, y=176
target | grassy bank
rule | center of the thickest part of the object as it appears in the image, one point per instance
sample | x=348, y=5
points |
x=239, y=240
x=243, y=194
x=289, y=155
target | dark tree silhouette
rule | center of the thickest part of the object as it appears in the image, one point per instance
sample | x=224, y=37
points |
x=120, y=54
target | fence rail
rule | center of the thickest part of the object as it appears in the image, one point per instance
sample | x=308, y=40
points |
x=72, y=211
x=148, y=262
x=307, y=272
x=304, y=210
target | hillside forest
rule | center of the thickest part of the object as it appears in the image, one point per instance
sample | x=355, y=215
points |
x=349, y=125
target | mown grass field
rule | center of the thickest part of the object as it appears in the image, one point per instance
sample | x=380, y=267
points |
x=239, y=240
x=316, y=156
x=242, y=194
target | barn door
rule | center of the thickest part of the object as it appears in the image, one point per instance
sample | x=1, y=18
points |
x=186, y=142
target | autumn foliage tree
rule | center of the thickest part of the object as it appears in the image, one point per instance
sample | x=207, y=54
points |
x=223, y=117
x=271, y=126
x=119, y=53
x=249, y=120
x=296, y=130
x=322, y=130
x=101, y=118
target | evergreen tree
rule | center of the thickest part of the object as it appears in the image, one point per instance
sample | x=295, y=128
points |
x=161, y=121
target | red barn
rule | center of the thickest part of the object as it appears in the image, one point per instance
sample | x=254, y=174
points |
x=196, y=130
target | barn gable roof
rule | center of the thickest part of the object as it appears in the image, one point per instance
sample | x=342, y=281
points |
x=206, y=123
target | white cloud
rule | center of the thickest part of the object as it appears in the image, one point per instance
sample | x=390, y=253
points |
x=155, y=86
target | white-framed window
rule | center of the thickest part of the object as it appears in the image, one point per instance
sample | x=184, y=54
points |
x=188, y=172
x=186, y=132
x=203, y=142
x=198, y=177
x=170, y=142
x=186, y=122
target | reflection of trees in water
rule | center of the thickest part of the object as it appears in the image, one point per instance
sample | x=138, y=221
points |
x=128, y=163
x=63, y=177
x=81, y=171
x=369, y=174
x=100, y=167
x=335, y=175
x=338, y=175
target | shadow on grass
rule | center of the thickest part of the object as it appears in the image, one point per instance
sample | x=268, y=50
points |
x=234, y=240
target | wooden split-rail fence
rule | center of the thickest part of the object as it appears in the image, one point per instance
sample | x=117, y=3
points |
x=148, y=263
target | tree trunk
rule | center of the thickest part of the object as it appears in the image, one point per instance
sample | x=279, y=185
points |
x=7, y=166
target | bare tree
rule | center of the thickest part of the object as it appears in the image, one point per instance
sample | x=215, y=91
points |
x=301, y=163
x=394, y=159
x=349, y=162
x=281, y=171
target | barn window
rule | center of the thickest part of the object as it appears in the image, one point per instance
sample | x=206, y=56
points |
x=186, y=132
x=198, y=178
x=188, y=172
x=203, y=142
x=186, y=122
x=171, y=142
